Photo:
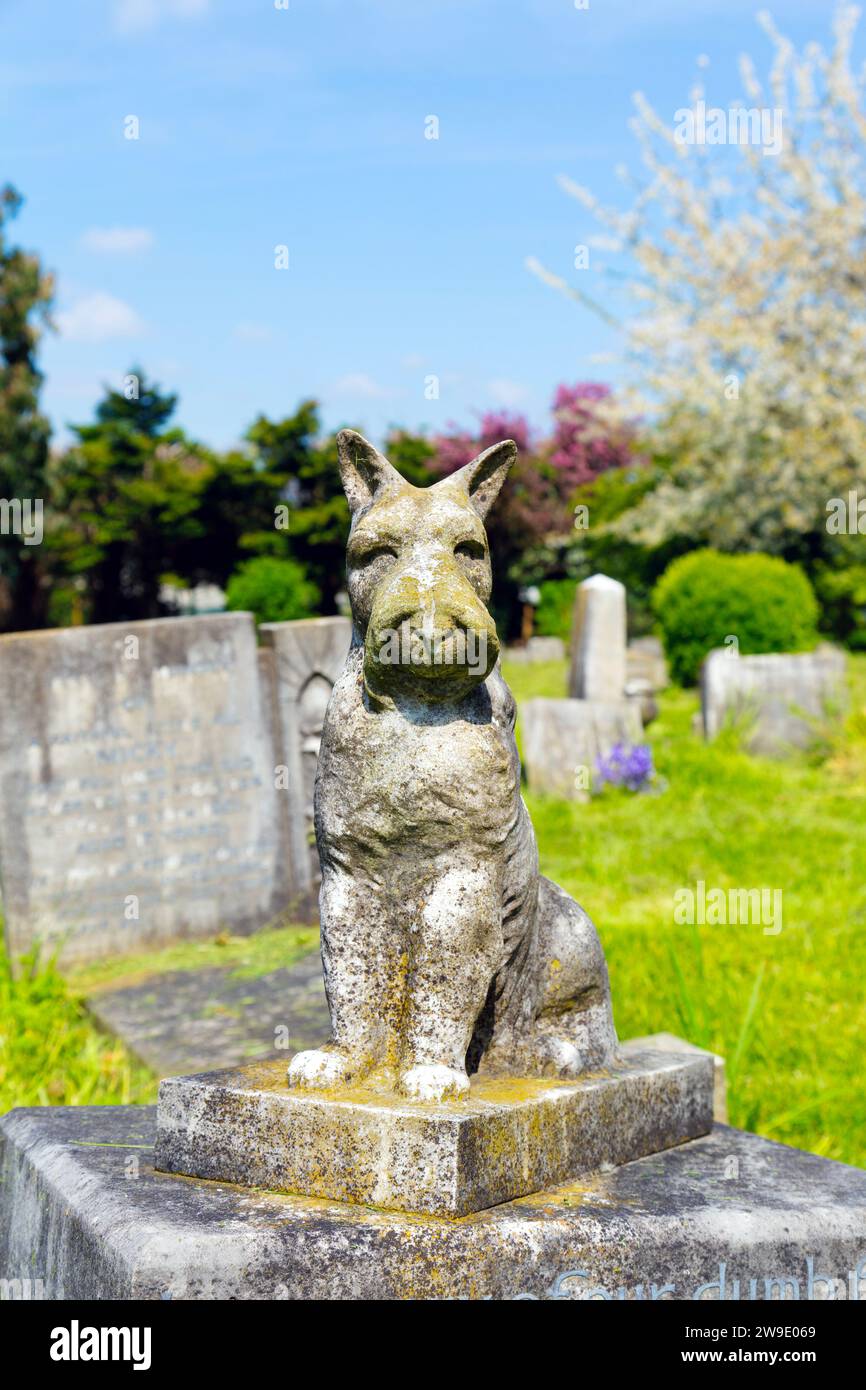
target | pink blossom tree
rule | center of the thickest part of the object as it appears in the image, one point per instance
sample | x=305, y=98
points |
x=585, y=442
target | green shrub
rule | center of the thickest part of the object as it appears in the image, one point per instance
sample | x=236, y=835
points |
x=704, y=597
x=276, y=591
x=553, y=614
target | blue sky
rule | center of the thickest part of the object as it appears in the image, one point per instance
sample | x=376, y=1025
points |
x=304, y=127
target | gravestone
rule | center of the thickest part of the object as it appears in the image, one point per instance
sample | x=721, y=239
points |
x=562, y=740
x=308, y=655
x=729, y=1207
x=598, y=643
x=137, y=796
x=645, y=661
x=646, y=674
x=782, y=699
x=537, y=649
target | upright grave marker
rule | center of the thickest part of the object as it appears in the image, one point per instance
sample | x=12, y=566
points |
x=564, y=739
x=598, y=646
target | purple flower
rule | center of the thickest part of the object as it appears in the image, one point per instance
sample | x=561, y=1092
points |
x=626, y=766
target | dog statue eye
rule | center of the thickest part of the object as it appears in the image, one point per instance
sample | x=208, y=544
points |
x=370, y=556
x=474, y=550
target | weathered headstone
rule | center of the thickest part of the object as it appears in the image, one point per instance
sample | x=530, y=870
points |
x=646, y=674
x=562, y=740
x=700, y=1221
x=645, y=661
x=137, y=796
x=598, y=644
x=782, y=699
x=308, y=657
x=537, y=649
x=641, y=693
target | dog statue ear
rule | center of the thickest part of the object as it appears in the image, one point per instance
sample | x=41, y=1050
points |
x=482, y=479
x=364, y=471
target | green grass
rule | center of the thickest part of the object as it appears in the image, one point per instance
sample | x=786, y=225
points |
x=248, y=957
x=787, y=1011
x=51, y=1053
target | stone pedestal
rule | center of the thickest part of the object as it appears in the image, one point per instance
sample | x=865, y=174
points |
x=83, y=1211
x=508, y=1138
x=669, y=1042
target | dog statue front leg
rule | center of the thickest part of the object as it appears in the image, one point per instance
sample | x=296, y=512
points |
x=455, y=950
x=359, y=980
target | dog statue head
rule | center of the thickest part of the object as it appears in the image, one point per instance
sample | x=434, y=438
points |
x=419, y=575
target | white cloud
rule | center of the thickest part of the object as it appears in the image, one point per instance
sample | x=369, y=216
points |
x=119, y=241
x=131, y=16
x=252, y=332
x=359, y=384
x=96, y=317
x=509, y=393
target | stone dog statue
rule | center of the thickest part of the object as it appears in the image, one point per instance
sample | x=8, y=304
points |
x=444, y=951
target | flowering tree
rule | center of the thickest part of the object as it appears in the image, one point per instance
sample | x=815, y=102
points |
x=458, y=446
x=527, y=516
x=585, y=443
x=532, y=526
x=746, y=261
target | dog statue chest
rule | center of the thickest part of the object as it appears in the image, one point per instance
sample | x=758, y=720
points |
x=381, y=772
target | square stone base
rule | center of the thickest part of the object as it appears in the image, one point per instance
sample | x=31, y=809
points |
x=84, y=1215
x=508, y=1138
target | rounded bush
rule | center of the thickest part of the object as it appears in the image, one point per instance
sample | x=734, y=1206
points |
x=272, y=589
x=704, y=598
